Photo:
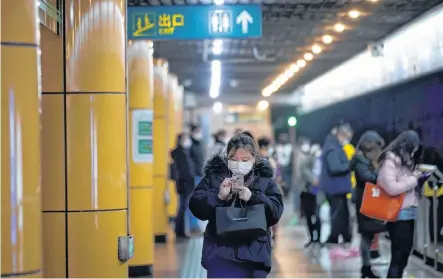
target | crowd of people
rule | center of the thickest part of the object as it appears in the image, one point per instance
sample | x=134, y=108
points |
x=336, y=173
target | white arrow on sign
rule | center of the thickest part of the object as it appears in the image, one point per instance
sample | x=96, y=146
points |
x=244, y=18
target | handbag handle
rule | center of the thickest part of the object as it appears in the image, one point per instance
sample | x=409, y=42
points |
x=235, y=199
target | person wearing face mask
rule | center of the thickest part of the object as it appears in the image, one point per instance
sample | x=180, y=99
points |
x=219, y=143
x=230, y=257
x=335, y=182
x=307, y=182
x=397, y=175
x=185, y=181
x=303, y=175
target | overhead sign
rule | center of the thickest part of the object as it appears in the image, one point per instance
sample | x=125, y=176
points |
x=194, y=22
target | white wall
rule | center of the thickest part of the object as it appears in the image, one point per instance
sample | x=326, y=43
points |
x=414, y=50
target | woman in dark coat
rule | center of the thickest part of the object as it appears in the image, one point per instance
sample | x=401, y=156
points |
x=230, y=257
x=365, y=168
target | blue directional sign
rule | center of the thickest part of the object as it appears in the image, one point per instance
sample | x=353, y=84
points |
x=194, y=22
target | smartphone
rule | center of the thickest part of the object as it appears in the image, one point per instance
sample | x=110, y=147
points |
x=237, y=181
x=427, y=168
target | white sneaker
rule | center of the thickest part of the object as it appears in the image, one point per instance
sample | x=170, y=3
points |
x=379, y=261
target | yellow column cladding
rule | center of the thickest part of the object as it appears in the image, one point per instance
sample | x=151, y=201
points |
x=172, y=88
x=20, y=129
x=141, y=93
x=161, y=148
x=94, y=116
x=53, y=155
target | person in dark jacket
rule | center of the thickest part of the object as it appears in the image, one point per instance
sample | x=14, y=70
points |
x=197, y=153
x=185, y=180
x=365, y=166
x=335, y=181
x=229, y=257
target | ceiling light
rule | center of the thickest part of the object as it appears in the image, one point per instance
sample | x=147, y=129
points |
x=215, y=79
x=266, y=92
x=354, y=14
x=308, y=56
x=219, y=2
x=294, y=68
x=339, y=27
x=218, y=43
x=263, y=105
x=301, y=63
x=327, y=39
x=217, y=107
x=316, y=49
x=373, y=1
x=217, y=47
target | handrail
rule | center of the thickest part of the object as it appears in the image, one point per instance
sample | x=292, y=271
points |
x=49, y=16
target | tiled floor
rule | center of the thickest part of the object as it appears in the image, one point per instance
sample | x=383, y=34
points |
x=182, y=259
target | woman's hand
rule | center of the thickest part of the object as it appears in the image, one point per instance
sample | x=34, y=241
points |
x=244, y=194
x=417, y=173
x=225, y=188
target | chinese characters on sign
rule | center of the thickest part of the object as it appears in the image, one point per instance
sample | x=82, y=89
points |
x=153, y=24
x=195, y=22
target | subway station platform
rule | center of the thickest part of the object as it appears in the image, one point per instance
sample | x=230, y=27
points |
x=291, y=259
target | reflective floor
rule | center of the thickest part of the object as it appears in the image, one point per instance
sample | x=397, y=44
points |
x=291, y=259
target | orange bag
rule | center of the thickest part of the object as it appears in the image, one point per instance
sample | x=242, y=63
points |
x=377, y=204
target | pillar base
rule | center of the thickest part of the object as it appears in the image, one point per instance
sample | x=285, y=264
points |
x=161, y=238
x=140, y=270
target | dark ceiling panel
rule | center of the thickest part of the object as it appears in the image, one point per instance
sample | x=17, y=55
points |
x=289, y=28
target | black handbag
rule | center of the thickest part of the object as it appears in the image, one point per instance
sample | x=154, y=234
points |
x=241, y=222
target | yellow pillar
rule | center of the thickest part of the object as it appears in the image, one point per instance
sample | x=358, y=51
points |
x=172, y=130
x=161, y=150
x=140, y=94
x=20, y=129
x=84, y=145
x=53, y=150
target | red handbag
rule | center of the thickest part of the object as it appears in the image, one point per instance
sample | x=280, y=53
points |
x=377, y=204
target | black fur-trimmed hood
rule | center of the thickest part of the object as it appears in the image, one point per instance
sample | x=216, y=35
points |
x=219, y=164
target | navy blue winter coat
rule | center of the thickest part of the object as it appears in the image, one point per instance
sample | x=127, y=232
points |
x=335, y=178
x=257, y=252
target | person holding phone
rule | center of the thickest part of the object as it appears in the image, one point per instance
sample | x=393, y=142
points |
x=398, y=175
x=365, y=167
x=229, y=257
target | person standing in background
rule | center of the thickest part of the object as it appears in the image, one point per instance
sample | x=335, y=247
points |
x=185, y=181
x=335, y=181
x=263, y=147
x=283, y=152
x=197, y=159
x=219, y=143
x=364, y=164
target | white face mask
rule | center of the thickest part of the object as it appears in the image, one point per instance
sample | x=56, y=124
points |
x=197, y=136
x=346, y=141
x=187, y=143
x=242, y=168
x=305, y=148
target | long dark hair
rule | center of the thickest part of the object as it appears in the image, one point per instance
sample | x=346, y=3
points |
x=369, y=142
x=403, y=146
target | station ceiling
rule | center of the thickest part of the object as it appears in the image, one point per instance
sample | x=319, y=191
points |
x=290, y=29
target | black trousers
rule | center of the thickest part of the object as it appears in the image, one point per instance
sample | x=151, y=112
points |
x=402, y=237
x=340, y=223
x=439, y=219
x=310, y=212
